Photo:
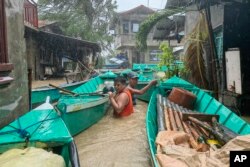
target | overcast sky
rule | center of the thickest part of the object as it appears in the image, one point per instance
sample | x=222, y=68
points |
x=124, y=5
x=129, y=4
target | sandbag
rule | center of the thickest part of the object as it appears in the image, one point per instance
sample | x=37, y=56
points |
x=192, y=158
x=30, y=157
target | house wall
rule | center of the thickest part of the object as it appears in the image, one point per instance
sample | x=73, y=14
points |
x=14, y=97
x=192, y=16
x=126, y=41
x=32, y=51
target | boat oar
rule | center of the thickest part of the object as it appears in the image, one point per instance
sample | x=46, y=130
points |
x=77, y=94
x=64, y=90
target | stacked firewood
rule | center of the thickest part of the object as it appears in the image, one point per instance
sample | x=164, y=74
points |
x=203, y=129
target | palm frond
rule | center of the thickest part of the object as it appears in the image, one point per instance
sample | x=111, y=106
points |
x=194, y=54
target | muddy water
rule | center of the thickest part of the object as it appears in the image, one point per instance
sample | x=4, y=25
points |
x=116, y=142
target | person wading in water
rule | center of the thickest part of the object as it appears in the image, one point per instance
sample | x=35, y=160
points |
x=122, y=100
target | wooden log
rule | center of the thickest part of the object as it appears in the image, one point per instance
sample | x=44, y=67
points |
x=167, y=120
x=178, y=116
x=203, y=131
x=200, y=116
x=172, y=119
x=193, y=142
x=217, y=126
x=178, y=121
x=202, y=146
x=221, y=137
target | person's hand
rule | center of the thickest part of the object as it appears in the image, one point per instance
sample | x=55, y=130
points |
x=111, y=95
x=154, y=82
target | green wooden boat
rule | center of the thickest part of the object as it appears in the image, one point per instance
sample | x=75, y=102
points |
x=142, y=82
x=82, y=111
x=41, y=127
x=204, y=103
x=38, y=95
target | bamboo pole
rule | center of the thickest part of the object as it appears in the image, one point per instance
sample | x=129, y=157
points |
x=167, y=119
x=172, y=120
x=171, y=117
x=221, y=137
x=202, y=146
x=160, y=114
x=192, y=141
x=178, y=119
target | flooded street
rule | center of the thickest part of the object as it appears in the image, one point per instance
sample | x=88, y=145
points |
x=112, y=142
x=42, y=83
x=116, y=142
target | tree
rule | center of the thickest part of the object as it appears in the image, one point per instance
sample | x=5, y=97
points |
x=84, y=19
x=147, y=25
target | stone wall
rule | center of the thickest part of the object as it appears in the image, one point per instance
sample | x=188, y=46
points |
x=14, y=97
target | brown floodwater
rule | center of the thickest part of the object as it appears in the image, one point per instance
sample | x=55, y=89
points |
x=116, y=142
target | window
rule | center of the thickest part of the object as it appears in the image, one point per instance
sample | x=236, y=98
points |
x=125, y=27
x=154, y=55
x=135, y=27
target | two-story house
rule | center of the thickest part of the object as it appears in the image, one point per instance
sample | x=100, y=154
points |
x=127, y=26
x=49, y=50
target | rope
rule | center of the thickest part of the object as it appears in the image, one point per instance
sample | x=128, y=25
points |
x=23, y=132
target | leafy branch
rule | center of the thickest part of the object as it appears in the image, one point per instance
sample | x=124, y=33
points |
x=147, y=25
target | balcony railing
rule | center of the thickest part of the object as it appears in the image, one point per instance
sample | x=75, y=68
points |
x=128, y=40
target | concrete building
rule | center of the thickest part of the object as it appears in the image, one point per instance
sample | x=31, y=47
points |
x=14, y=94
x=226, y=58
x=126, y=27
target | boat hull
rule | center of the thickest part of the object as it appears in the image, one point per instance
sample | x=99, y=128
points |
x=204, y=103
x=82, y=111
x=79, y=114
x=40, y=128
x=146, y=96
x=39, y=95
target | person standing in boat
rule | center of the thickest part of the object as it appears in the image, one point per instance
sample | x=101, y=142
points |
x=132, y=83
x=122, y=100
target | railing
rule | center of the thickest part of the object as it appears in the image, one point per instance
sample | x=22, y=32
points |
x=30, y=13
x=129, y=40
